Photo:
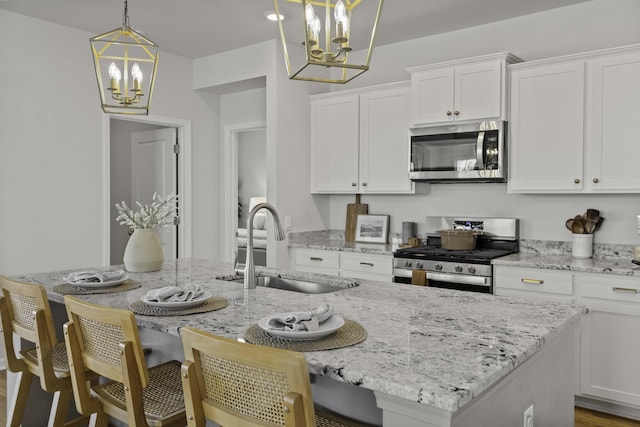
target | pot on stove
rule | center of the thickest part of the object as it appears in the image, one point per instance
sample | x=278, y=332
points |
x=458, y=240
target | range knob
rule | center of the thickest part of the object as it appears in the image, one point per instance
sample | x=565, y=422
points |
x=458, y=268
x=438, y=267
x=407, y=264
x=471, y=269
x=418, y=264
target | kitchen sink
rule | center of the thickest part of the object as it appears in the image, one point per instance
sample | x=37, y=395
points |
x=296, y=285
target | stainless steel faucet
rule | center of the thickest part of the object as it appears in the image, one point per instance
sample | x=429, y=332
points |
x=249, y=268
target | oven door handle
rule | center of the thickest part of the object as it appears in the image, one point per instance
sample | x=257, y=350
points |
x=457, y=278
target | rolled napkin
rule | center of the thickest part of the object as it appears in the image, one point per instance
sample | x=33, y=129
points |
x=174, y=293
x=95, y=276
x=301, y=321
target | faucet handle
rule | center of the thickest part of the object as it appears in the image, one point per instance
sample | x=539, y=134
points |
x=238, y=267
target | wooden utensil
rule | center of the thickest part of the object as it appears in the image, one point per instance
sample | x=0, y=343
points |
x=591, y=219
x=353, y=210
x=578, y=225
x=569, y=224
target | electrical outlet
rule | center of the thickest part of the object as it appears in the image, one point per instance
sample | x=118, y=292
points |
x=528, y=417
x=638, y=224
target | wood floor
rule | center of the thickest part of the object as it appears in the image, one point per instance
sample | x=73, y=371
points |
x=583, y=417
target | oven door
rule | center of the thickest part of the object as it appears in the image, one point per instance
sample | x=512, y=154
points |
x=461, y=282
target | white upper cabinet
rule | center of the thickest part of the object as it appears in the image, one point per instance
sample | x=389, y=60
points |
x=360, y=141
x=614, y=147
x=334, y=144
x=573, y=123
x=547, y=127
x=470, y=90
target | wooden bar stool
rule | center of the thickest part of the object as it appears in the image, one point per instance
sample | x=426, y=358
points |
x=25, y=311
x=244, y=385
x=106, y=341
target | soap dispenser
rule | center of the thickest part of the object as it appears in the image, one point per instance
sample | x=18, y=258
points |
x=636, y=250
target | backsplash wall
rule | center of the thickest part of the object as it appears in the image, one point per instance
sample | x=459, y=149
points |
x=542, y=217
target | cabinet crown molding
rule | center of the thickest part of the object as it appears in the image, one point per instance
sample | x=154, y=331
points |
x=507, y=57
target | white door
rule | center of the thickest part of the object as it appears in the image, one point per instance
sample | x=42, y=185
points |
x=154, y=170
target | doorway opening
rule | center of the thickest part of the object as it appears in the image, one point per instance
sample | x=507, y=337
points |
x=144, y=155
x=245, y=184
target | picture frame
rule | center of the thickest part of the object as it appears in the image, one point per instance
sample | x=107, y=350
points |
x=372, y=229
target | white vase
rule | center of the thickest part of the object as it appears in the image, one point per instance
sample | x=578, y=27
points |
x=582, y=246
x=143, y=252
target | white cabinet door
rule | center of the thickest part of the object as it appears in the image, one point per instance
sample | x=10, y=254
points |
x=360, y=141
x=463, y=90
x=432, y=100
x=547, y=127
x=614, y=117
x=477, y=91
x=384, y=141
x=610, y=344
x=334, y=144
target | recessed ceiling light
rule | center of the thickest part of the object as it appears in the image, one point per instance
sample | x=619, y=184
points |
x=271, y=16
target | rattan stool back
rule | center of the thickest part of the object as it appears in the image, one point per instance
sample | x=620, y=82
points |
x=106, y=341
x=246, y=385
x=25, y=311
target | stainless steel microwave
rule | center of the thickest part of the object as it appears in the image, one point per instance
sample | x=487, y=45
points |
x=460, y=152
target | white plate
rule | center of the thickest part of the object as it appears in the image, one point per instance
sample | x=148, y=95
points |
x=107, y=284
x=328, y=327
x=178, y=304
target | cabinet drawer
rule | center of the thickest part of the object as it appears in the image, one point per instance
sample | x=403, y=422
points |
x=533, y=280
x=610, y=293
x=367, y=263
x=317, y=258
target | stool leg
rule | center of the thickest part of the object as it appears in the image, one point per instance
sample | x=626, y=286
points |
x=59, y=408
x=18, y=403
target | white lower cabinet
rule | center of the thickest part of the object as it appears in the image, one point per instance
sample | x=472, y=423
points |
x=610, y=348
x=366, y=266
x=344, y=264
x=533, y=283
x=316, y=261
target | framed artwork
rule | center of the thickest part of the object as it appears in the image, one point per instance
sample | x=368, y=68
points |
x=372, y=228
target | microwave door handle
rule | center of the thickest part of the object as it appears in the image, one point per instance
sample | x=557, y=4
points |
x=480, y=151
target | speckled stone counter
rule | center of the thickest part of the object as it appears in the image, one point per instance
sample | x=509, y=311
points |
x=435, y=347
x=333, y=240
x=607, y=259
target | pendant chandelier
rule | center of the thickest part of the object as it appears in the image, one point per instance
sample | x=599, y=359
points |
x=326, y=50
x=125, y=63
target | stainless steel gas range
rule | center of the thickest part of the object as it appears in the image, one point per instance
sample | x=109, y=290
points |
x=468, y=270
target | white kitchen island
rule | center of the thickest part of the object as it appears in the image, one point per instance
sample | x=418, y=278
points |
x=432, y=357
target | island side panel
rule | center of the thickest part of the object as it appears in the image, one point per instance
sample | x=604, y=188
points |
x=547, y=381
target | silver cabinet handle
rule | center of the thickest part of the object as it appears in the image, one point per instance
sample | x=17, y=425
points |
x=576, y=181
x=353, y=184
x=368, y=264
x=364, y=184
x=625, y=290
x=596, y=180
x=449, y=113
x=314, y=258
x=532, y=281
x=456, y=113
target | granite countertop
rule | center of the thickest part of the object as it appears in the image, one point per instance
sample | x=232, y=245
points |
x=608, y=259
x=436, y=347
x=333, y=240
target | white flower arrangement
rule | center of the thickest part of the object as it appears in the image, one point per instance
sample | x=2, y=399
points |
x=161, y=213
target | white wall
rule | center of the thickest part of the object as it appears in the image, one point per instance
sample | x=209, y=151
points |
x=582, y=27
x=52, y=180
x=252, y=170
x=287, y=117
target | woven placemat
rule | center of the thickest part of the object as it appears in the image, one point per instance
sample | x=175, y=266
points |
x=350, y=334
x=211, y=304
x=69, y=289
